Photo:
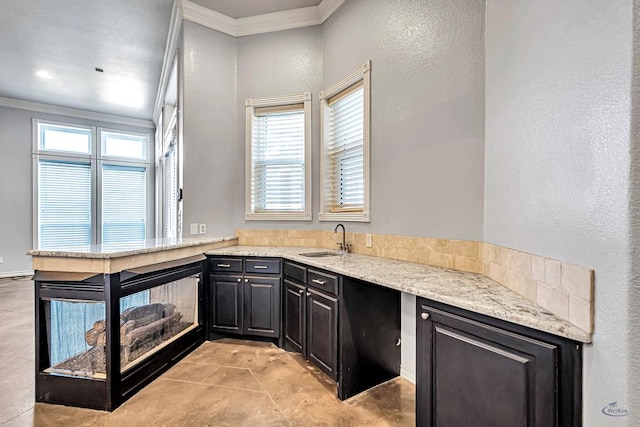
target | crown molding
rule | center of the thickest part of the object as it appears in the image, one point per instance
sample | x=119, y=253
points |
x=327, y=7
x=259, y=24
x=209, y=18
x=278, y=21
x=73, y=112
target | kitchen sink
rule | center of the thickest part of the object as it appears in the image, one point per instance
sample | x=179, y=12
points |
x=320, y=254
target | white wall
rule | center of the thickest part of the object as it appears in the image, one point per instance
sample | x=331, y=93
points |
x=210, y=141
x=558, y=79
x=16, y=182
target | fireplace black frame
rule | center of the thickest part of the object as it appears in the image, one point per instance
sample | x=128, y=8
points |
x=109, y=393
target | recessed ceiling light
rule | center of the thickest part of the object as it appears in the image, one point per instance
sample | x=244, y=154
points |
x=44, y=74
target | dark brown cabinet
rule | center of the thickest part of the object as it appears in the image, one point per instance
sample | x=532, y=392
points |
x=311, y=316
x=226, y=303
x=245, y=296
x=295, y=317
x=322, y=330
x=471, y=373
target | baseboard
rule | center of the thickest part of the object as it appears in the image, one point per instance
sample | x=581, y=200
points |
x=408, y=374
x=12, y=274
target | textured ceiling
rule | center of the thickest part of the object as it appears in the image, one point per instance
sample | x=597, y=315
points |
x=243, y=8
x=67, y=39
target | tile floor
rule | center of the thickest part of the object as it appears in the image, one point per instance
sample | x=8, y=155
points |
x=222, y=383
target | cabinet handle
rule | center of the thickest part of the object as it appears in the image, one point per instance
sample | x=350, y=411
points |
x=308, y=294
x=246, y=280
x=424, y=316
x=239, y=280
x=260, y=267
x=301, y=291
x=224, y=265
x=319, y=282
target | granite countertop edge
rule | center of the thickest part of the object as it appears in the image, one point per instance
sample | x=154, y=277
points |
x=150, y=246
x=470, y=291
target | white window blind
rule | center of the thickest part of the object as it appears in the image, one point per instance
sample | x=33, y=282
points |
x=278, y=159
x=124, y=203
x=64, y=203
x=345, y=151
x=170, y=193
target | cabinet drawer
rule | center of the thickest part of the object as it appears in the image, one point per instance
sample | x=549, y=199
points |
x=264, y=266
x=229, y=265
x=322, y=281
x=295, y=272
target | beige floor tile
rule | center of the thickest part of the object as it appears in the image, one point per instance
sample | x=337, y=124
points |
x=226, y=382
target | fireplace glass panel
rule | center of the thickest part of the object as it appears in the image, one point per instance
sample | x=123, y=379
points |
x=151, y=319
x=72, y=351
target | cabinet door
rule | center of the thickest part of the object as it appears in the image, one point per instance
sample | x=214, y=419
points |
x=472, y=374
x=322, y=329
x=262, y=306
x=294, y=317
x=226, y=303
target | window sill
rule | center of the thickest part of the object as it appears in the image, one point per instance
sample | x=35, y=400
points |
x=278, y=216
x=344, y=216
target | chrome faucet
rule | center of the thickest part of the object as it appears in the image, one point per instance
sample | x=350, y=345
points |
x=342, y=247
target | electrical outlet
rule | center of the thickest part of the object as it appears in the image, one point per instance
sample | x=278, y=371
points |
x=193, y=228
x=368, y=240
x=1, y=260
x=203, y=228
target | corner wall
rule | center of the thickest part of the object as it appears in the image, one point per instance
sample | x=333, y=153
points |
x=557, y=160
x=210, y=142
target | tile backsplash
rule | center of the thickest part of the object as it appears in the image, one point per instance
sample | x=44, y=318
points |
x=564, y=289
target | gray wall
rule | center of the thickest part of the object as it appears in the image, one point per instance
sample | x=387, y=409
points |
x=427, y=111
x=16, y=221
x=16, y=182
x=273, y=64
x=210, y=140
x=634, y=212
x=558, y=78
x=427, y=107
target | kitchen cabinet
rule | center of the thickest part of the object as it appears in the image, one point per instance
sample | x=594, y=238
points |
x=244, y=297
x=348, y=328
x=476, y=371
x=311, y=316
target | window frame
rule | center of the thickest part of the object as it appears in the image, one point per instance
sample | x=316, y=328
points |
x=96, y=160
x=250, y=105
x=361, y=74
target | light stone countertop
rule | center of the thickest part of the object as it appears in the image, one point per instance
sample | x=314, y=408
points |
x=119, y=250
x=469, y=291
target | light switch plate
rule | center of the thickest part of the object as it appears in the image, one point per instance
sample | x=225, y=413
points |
x=193, y=228
x=368, y=240
x=203, y=228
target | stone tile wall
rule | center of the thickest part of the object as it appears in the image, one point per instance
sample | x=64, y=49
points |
x=564, y=289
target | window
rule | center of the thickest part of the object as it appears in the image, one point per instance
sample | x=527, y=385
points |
x=344, y=165
x=90, y=186
x=278, y=158
x=168, y=162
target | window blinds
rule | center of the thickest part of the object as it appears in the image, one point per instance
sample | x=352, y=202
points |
x=64, y=205
x=170, y=193
x=345, y=151
x=278, y=159
x=124, y=203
